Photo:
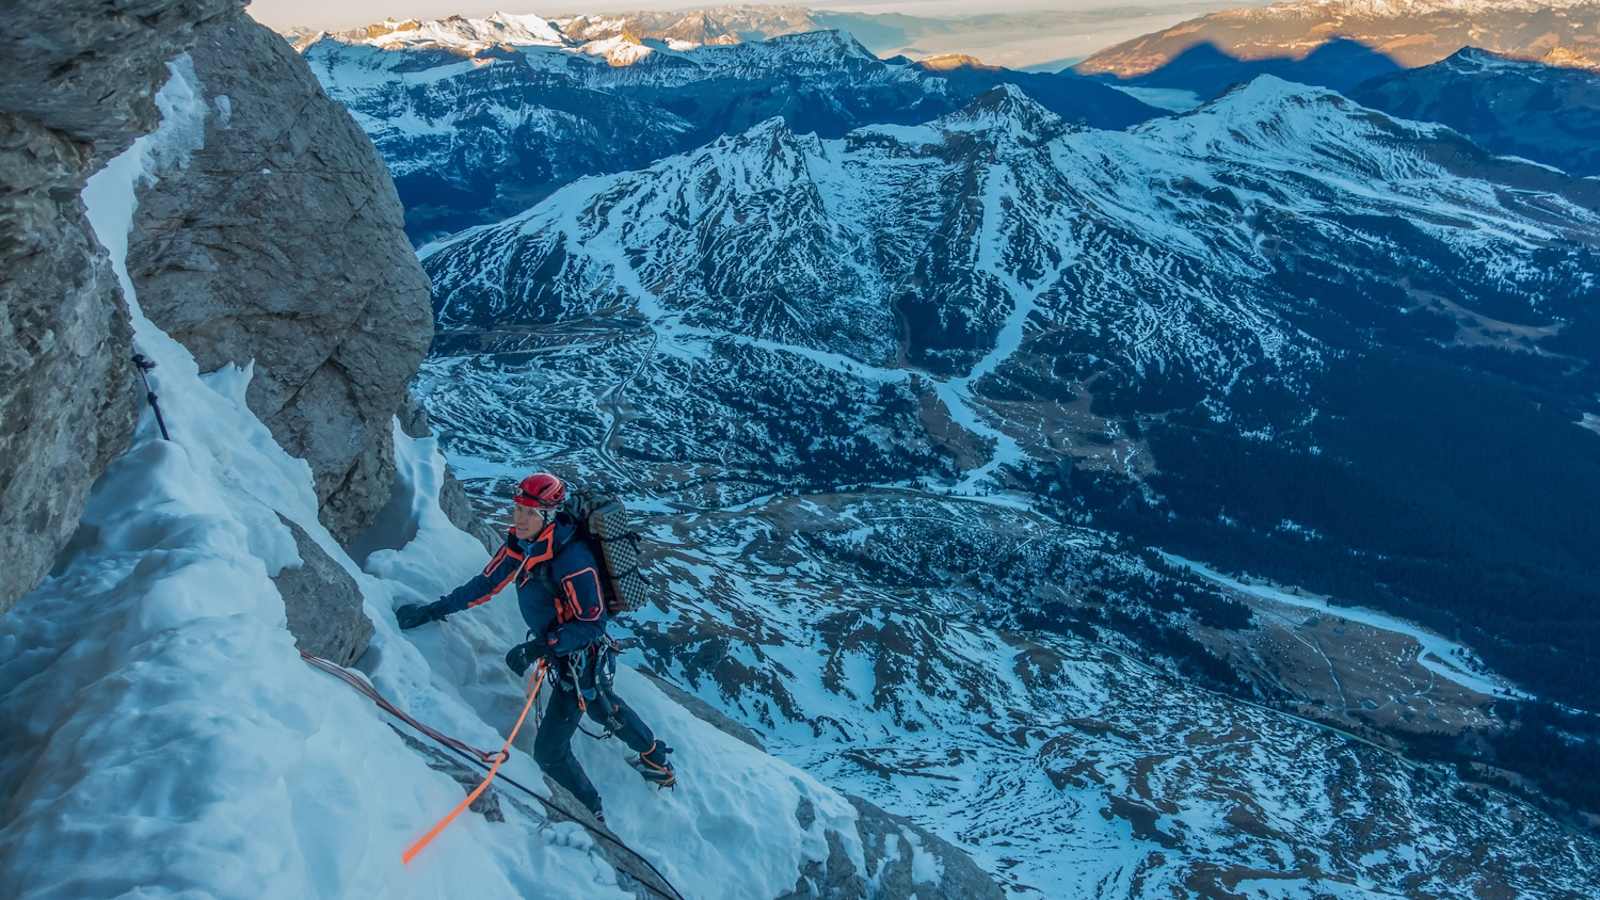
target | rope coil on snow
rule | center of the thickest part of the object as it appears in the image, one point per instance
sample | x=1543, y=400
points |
x=489, y=761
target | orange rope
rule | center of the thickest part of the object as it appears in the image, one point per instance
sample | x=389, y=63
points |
x=537, y=680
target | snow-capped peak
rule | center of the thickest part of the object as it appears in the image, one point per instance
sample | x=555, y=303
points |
x=1269, y=91
x=771, y=148
x=1004, y=109
x=1476, y=59
x=1269, y=118
x=459, y=32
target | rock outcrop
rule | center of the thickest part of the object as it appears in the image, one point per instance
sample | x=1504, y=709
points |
x=78, y=89
x=322, y=603
x=909, y=861
x=282, y=242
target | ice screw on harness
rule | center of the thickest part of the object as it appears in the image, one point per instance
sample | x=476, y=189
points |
x=145, y=364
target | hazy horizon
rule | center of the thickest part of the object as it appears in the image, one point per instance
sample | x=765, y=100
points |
x=1015, y=33
x=283, y=14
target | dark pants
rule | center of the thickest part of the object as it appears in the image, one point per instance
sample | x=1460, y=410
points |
x=552, y=746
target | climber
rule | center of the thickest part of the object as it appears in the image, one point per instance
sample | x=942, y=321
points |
x=561, y=593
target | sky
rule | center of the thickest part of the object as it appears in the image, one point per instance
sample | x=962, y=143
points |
x=1045, y=34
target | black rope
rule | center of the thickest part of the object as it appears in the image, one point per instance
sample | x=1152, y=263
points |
x=552, y=806
x=549, y=805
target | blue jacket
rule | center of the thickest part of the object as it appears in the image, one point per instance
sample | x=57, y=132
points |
x=559, y=587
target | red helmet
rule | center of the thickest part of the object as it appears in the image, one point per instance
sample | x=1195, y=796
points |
x=541, y=489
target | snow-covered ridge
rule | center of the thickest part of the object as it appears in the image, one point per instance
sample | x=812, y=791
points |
x=610, y=39
x=1042, y=229
x=153, y=696
x=459, y=32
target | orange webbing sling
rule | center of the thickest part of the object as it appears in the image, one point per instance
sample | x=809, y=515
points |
x=537, y=681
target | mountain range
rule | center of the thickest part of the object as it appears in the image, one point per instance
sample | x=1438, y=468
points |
x=858, y=376
x=950, y=412
x=479, y=118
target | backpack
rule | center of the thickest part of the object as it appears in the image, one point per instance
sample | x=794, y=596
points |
x=603, y=522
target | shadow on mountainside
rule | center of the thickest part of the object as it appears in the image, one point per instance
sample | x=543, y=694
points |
x=1208, y=70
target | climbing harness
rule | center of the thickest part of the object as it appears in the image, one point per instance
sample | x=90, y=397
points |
x=144, y=364
x=490, y=761
x=589, y=674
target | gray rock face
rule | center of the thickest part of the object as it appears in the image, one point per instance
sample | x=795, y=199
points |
x=79, y=88
x=88, y=70
x=282, y=242
x=903, y=860
x=906, y=860
x=323, y=603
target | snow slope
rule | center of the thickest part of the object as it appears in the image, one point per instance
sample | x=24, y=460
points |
x=712, y=336
x=162, y=737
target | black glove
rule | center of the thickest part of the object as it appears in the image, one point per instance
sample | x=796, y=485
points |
x=523, y=655
x=413, y=614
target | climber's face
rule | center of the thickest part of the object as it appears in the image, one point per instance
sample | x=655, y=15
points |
x=527, y=520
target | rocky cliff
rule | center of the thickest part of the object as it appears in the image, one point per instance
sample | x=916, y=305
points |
x=277, y=242
x=78, y=89
x=282, y=242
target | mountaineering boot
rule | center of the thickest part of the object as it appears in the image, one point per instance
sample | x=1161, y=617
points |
x=653, y=766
